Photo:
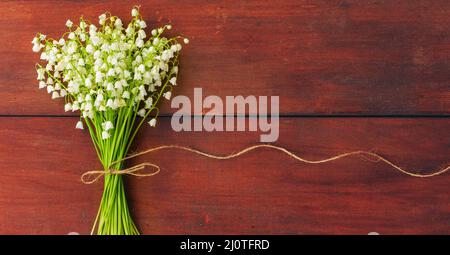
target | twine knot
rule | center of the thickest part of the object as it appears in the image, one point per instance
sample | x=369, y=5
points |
x=90, y=177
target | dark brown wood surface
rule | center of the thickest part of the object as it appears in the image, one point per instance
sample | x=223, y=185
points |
x=261, y=192
x=372, y=57
x=322, y=58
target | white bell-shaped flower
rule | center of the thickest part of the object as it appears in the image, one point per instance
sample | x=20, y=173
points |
x=141, y=112
x=69, y=23
x=105, y=135
x=107, y=125
x=152, y=122
x=134, y=12
x=167, y=95
x=79, y=125
x=67, y=107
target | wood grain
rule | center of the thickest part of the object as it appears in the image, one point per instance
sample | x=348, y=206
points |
x=331, y=57
x=264, y=192
x=322, y=58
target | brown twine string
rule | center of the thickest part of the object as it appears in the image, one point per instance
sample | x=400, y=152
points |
x=134, y=171
x=137, y=169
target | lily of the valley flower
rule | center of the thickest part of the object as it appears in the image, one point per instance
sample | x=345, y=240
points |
x=107, y=125
x=69, y=23
x=141, y=112
x=167, y=95
x=134, y=12
x=152, y=122
x=55, y=95
x=42, y=84
x=79, y=125
x=67, y=107
x=101, y=19
x=173, y=81
x=105, y=135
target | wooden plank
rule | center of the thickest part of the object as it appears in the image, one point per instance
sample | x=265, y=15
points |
x=263, y=192
x=333, y=57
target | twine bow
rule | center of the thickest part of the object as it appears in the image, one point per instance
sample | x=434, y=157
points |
x=133, y=171
x=138, y=170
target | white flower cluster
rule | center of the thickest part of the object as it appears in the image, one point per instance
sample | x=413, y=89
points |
x=100, y=69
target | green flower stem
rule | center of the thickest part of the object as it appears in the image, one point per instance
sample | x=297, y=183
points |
x=113, y=217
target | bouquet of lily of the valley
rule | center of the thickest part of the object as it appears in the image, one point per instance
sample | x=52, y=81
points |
x=114, y=76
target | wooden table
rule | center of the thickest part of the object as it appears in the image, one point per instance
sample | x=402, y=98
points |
x=351, y=75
